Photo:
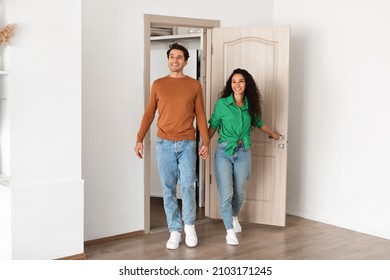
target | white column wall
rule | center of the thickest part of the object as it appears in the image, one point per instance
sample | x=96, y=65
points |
x=44, y=95
x=5, y=192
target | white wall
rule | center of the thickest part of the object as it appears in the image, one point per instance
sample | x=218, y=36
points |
x=338, y=138
x=44, y=94
x=113, y=100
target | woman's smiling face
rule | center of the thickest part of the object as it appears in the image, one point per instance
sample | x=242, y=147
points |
x=238, y=84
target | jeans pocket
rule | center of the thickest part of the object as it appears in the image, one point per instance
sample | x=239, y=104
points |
x=222, y=145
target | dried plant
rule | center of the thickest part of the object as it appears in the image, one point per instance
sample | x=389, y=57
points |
x=6, y=33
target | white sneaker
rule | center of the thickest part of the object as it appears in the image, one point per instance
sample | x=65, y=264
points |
x=231, y=237
x=191, y=238
x=174, y=240
x=236, y=225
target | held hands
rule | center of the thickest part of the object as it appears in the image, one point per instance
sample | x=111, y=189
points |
x=139, y=151
x=203, y=152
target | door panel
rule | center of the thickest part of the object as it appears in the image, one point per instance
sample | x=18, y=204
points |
x=264, y=52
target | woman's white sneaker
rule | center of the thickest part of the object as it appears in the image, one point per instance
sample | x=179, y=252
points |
x=231, y=237
x=174, y=240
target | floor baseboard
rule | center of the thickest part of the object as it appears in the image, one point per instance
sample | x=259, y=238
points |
x=114, y=238
x=81, y=256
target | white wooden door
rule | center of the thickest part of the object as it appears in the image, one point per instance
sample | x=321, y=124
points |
x=264, y=52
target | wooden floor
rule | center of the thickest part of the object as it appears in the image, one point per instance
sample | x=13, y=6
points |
x=301, y=239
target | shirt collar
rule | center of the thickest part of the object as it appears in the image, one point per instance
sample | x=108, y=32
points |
x=230, y=101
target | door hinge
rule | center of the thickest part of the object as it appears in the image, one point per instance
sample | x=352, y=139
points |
x=212, y=49
x=211, y=179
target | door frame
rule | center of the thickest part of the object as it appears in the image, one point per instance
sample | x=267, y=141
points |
x=149, y=20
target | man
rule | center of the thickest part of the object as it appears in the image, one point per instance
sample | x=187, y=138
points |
x=178, y=99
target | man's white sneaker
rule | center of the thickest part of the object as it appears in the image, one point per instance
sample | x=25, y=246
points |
x=236, y=225
x=191, y=238
x=174, y=240
x=231, y=237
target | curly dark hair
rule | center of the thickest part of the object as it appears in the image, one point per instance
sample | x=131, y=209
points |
x=252, y=93
x=177, y=46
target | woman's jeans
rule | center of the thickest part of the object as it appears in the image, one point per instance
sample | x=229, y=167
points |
x=232, y=173
x=176, y=162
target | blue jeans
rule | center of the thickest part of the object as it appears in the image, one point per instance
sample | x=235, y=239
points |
x=176, y=162
x=232, y=173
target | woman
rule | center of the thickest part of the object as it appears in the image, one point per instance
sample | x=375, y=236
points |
x=236, y=114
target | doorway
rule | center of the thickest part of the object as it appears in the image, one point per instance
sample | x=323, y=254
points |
x=161, y=37
x=169, y=23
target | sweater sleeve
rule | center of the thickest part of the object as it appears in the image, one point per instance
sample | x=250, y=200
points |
x=201, y=116
x=148, y=117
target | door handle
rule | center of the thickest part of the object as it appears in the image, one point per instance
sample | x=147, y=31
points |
x=281, y=137
x=281, y=145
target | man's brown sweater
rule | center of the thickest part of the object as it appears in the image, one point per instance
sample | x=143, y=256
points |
x=178, y=101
